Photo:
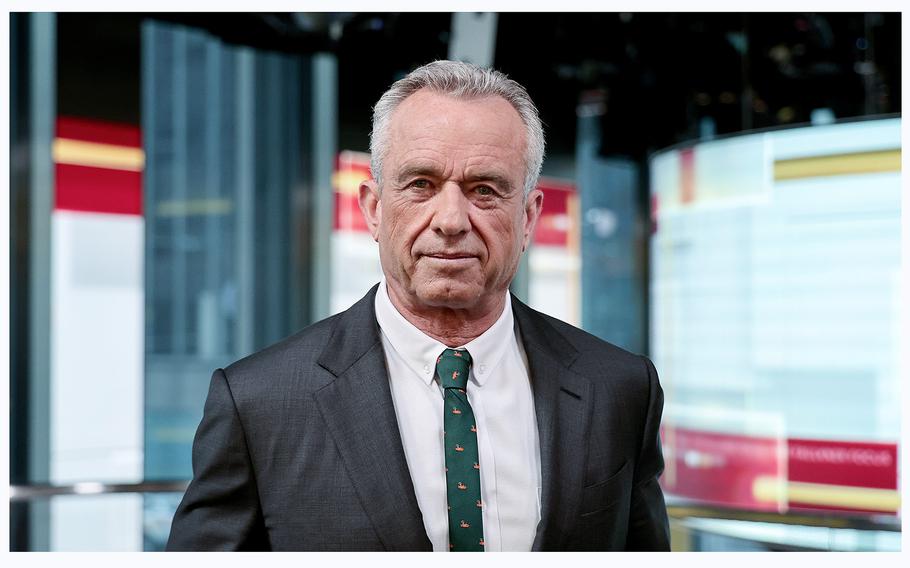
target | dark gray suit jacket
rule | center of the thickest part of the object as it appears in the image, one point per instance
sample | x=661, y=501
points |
x=299, y=447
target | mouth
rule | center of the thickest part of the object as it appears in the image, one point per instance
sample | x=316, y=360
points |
x=450, y=255
x=450, y=261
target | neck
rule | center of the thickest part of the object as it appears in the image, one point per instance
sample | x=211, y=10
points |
x=449, y=326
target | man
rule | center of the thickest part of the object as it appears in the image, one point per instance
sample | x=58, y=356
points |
x=438, y=412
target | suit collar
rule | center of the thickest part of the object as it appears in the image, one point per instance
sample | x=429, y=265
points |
x=540, y=334
x=354, y=333
x=563, y=401
x=360, y=416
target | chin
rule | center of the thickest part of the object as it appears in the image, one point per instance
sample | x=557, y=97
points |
x=449, y=294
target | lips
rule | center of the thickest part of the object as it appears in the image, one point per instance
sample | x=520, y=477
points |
x=450, y=255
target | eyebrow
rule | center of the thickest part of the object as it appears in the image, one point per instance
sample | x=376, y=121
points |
x=417, y=170
x=499, y=180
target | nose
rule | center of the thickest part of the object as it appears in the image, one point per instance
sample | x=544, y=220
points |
x=450, y=215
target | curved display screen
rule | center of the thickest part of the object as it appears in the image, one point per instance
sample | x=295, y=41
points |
x=775, y=266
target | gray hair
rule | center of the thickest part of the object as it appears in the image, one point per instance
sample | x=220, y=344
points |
x=464, y=81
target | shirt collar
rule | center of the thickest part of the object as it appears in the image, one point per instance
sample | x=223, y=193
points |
x=419, y=351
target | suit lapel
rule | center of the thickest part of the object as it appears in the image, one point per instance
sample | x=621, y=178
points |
x=359, y=413
x=562, y=403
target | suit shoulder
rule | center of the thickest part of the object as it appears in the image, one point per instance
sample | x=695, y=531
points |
x=286, y=356
x=310, y=358
x=597, y=357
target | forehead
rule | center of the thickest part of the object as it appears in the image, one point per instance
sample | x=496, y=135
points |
x=474, y=125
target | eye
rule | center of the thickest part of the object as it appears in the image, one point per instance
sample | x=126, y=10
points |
x=420, y=184
x=484, y=190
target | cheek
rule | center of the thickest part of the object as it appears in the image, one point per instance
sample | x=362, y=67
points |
x=503, y=237
x=402, y=228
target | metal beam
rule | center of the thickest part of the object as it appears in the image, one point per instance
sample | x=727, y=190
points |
x=324, y=143
x=42, y=116
x=473, y=37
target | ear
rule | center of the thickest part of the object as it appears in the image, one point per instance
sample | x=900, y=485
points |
x=371, y=206
x=532, y=207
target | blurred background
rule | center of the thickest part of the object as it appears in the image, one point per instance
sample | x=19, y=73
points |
x=722, y=193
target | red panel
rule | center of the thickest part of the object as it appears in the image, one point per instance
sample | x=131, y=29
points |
x=347, y=213
x=554, y=224
x=858, y=464
x=719, y=468
x=99, y=131
x=102, y=190
x=350, y=169
x=854, y=464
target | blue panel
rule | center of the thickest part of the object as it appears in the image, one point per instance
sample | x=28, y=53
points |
x=612, y=284
x=218, y=222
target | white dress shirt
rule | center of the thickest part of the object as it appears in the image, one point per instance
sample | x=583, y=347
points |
x=500, y=395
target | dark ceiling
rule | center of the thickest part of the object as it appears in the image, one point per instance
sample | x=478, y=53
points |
x=658, y=75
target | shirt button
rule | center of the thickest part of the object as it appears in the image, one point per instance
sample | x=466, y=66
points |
x=483, y=368
x=426, y=368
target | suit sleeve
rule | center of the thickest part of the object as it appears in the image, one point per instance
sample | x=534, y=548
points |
x=220, y=509
x=649, y=527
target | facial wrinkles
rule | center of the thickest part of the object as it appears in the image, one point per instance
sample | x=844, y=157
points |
x=454, y=155
x=504, y=220
x=473, y=140
x=442, y=207
x=450, y=165
x=442, y=170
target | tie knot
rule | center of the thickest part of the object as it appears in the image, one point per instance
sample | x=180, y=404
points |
x=453, y=366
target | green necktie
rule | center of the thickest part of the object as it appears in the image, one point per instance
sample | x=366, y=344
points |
x=462, y=462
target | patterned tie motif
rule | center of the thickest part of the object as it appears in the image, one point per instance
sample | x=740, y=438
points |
x=462, y=462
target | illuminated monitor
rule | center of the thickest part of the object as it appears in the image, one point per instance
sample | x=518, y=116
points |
x=775, y=265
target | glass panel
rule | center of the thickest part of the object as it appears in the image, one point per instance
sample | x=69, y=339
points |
x=98, y=523
x=221, y=129
x=157, y=512
x=107, y=522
